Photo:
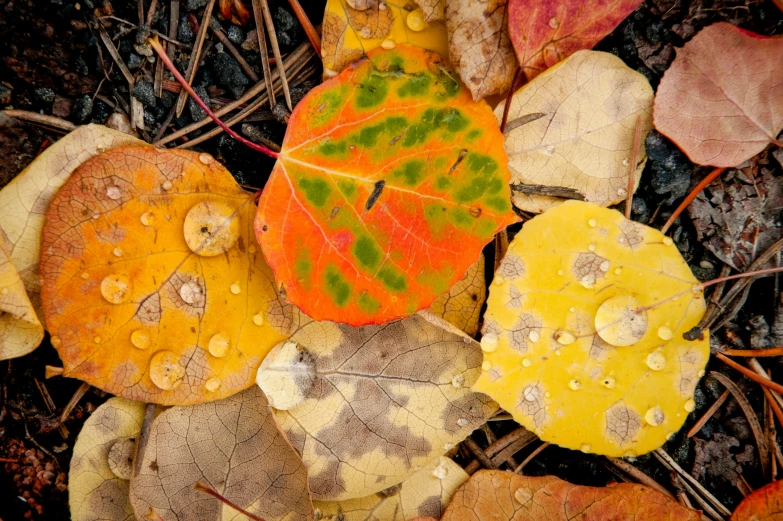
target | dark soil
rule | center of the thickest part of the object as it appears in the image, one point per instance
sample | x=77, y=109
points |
x=53, y=62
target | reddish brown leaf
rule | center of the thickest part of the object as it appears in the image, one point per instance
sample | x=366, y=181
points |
x=765, y=504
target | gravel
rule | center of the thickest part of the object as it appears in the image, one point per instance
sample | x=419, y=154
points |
x=145, y=93
x=229, y=74
x=81, y=109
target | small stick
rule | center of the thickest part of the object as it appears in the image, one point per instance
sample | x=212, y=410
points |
x=80, y=392
x=173, y=28
x=47, y=398
x=504, y=455
x=756, y=366
x=669, y=462
x=741, y=276
x=136, y=108
x=152, y=31
x=195, y=56
x=263, y=51
x=691, y=196
x=478, y=453
x=704, y=504
x=270, y=29
x=532, y=455
x=235, y=53
x=40, y=119
x=638, y=475
x=637, y=138
x=310, y=31
x=772, y=351
x=143, y=438
x=766, y=382
x=501, y=246
x=707, y=415
x=214, y=493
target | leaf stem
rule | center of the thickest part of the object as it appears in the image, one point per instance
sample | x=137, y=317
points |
x=516, y=83
x=691, y=196
x=741, y=276
x=771, y=351
x=637, y=138
x=185, y=85
x=201, y=487
x=766, y=382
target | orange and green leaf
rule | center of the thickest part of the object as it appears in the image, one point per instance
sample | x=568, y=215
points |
x=390, y=181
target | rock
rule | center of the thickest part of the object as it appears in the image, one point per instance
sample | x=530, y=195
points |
x=81, y=109
x=192, y=5
x=196, y=112
x=168, y=99
x=236, y=35
x=100, y=111
x=251, y=41
x=134, y=61
x=81, y=67
x=5, y=94
x=640, y=210
x=671, y=170
x=44, y=95
x=61, y=107
x=287, y=28
x=184, y=31
x=229, y=74
x=144, y=92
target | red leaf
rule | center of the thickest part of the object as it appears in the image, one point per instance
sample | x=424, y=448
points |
x=765, y=504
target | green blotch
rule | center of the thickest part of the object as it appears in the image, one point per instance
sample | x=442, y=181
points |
x=417, y=86
x=325, y=108
x=373, y=91
x=436, y=217
x=393, y=279
x=439, y=281
x=442, y=183
x=316, y=190
x=495, y=185
x=347, y=187
x=411, y=173
x=368, y=304
x=448, y=87
x=484, y=229
x=366, y=252
x=303, y=268
x=481, y=163
x=368, y=136
x=462, y=218
x=500, y=204
x=336, y=286
x=333, y=148
x=433, y=119
x=473, y=135
x=482, y=168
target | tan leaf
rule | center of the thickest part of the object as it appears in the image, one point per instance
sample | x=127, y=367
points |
x=501, y=495
x=433, y=9
x=479, y=45
x=424, y=494
x=98, y=480
x=367, y=407
x=24, y=201
x=20, y=330
x=234, y=447
x=461, y=306
x=572, y=128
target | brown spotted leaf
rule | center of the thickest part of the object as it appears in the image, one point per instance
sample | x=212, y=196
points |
x=765, y=504
x=153, y=288
x=433, y=9
x=368, y=407
x=461, y=306
x=500, y=495
x=234, y=447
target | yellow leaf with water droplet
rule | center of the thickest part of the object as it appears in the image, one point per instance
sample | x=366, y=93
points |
x=602, y=367
x=20, y=330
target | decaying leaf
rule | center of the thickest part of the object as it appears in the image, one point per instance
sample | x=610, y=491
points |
x=153, y=288
x=368, y=407
x=573, y=128
x=501, y=495
x=390, y=181
x=765, y=504
x=479, y=45
x=234, y=447
x=424, y=494
x=24, y=201
x=100, y=471
x=351, y=31
x=433, y=9
x=20, y=330
x=719, y=461
x=582, y=335
x=721, y=100
x=738, y=217
x=461, y=306
x=546, y=32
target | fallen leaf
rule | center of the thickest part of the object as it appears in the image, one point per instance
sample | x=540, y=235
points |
x=99, y=476
x=461, y=306
x=368, y=407
x=721, y=100
x=234, y=447
x=738, y=216
x=390, y=181
x=433, y=9
x=573, y=128
x=426, y=493
x=501, y=495
x=24, y=201
x=545, y=33
x=765, y=504
x=350, y=32
x=153, y=288
x=717, y=461
x=20, y=330
x=582, y=335
x=479, y=45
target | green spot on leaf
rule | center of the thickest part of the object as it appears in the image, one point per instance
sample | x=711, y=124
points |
x=416, y=86
x=411, y=173
x=302, y=268
x=368, y=304
x=336, y=286
x=347, y=187
x=393, y=279
x=316, y=190
x=498, y=203
x=373, y=91
x=333, y=148
x=366, y=252
x=482, y=169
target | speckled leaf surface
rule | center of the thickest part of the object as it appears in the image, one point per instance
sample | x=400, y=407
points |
x=425, y=494
x=152, y=286
x=765, y=504
x=20, y=330
x=582, y=337
x=390, y=181
x=461, y=306
x=545, y=32
x=721, y=100
x=369, y=407
x=573, y=127
x=234, y=447
x=99, y=477
x=349, y=32
x=505, y=496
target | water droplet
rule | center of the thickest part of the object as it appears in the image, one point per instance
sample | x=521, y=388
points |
x=548, y=394
x=564, y=337
x=701, y=373
x=697, y=288
x=585, y=447
x=462, y=422
x=549, y=150
x=654, y=416
x=388, y=44
x=523, y=495
x=526, y=362
x=190, y=292
x=382, y=6
x=593, y=223
x=554, y=23
x=85, y=275
x=167, y=185
x=533, y=335
x=486, y=366
x=218, y=345
x=458, y=381
x=621, y=320
x=489, y=343
x=96, y=215
x=448, y=446
x=621, y=239
x=258, y=319
x=165, y=370
x=117, y=252
x=140, y=339
x=441, y=471
x=665, y=333
x=205, y=158
x=558, y=352
x=656, y=361
x=531, y=393
x=365, y=32
x=609, y=382
x=467, y=340
x=147, y=218
x=113, y=192
x=629, y=454
x=622, y=192
x=572, y=309
x=211, y=228
x=212, y=385
x=626, y=162
x=97, y=340
x=498, y=279
x=235, y=289
x=588, y=281
x=56, y=341
x=592, y=247
x=115, y=288
x=618, y=271
x=604, y=266
x=667, y=241
x=575, y=384
x=560, y=272
x=690, y=406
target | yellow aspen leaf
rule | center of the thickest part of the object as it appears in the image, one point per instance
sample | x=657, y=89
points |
x=351, y=31
x=424, y=494
x=461, y=306
x=572, y=128
x=368, y=407
x=99, y=476
x=583, y=334
x=153, y=286
x=24, y=201
x=232, y=446
x=20, y=330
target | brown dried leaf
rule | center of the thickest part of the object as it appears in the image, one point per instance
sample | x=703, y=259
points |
x=716, y=462
x=461, y=306
x=234, y=447
x=433, y=9
x=20, y=330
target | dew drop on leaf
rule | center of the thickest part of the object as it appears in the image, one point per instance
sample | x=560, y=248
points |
x=218, y=345
x=115, y=288
x=165, y=370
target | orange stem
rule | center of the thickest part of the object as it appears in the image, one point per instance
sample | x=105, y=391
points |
x=214, y=493
x=772, y=351
x=691, y=196
x=750, y=374
x=741, y=276
x=774, y=404
x=312, y=34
